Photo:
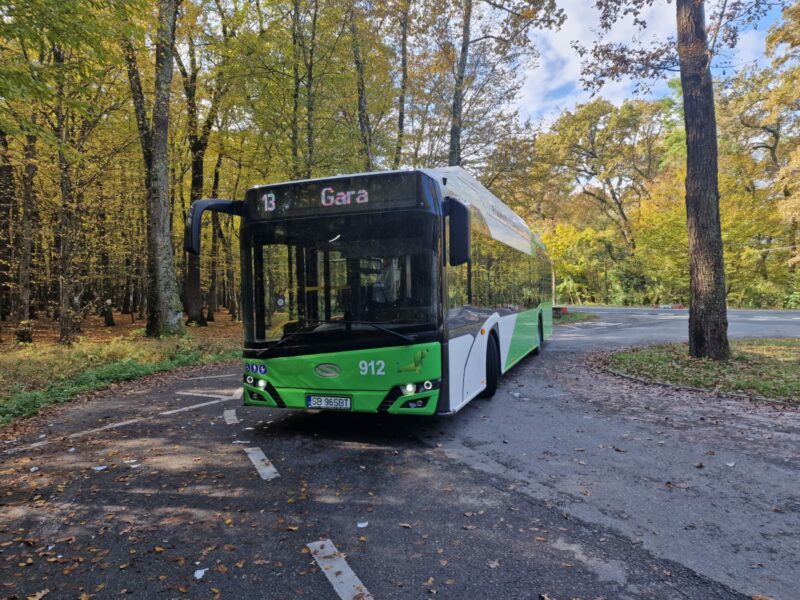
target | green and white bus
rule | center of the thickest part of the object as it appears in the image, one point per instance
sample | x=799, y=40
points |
x=401, y=292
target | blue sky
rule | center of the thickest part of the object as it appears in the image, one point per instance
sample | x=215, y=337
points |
x=553, y=85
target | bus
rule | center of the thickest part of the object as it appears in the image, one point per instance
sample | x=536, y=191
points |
x=402, y=292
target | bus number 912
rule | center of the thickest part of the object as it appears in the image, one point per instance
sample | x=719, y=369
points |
x=372, y=367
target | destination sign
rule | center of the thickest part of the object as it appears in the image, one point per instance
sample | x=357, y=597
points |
x=340, y=194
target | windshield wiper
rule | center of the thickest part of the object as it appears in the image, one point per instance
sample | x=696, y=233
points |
x=284, y=339
x=408, y=338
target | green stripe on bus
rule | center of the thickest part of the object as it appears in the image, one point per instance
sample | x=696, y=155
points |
x=525, y=338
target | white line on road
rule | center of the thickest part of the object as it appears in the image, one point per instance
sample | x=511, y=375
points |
x=235, y=396
x=261, y=463
x=346, y=583
x=214, y=376
x=201, y=394
x=230, y=416
x=105, y=427
x=193, y=406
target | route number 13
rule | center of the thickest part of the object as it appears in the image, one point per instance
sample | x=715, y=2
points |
x=372, y=367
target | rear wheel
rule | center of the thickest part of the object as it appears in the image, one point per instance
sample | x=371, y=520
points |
x=492, y=368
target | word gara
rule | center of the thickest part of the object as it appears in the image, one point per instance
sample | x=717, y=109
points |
x=329, y=198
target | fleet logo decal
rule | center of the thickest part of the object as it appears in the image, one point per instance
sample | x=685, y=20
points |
x=416, y=365
x=327, y=370
x=255, y=369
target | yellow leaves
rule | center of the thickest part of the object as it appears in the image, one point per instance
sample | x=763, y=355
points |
x=38, y=595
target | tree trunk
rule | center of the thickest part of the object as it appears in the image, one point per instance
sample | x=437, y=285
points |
x=230, y=273
x=163, y=303
x=454, y=157
x=8, y=193
x=126, y=292
x=192, y=292
x=213, y=288
x=363, y=116
x=68, y=312
x=295, y=120
x=198, y=144
x=310, y=107
x=23, y=305
x=401, y=101
x=708, y=320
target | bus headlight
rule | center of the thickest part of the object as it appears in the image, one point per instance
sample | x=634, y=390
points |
x=262, y=383
x=249, y=379
x=409, y=389
x=428, y=385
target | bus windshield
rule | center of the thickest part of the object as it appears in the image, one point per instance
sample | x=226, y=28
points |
x=368, y=274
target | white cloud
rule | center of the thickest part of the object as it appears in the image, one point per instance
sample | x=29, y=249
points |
x=554, y=84
x=750, y=49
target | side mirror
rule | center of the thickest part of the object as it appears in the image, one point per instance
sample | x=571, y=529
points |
x=191, y=231
x=459, y=231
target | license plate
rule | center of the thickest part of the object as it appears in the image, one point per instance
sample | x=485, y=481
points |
x=328, y=402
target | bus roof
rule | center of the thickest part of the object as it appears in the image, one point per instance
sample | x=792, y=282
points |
x=503, y=224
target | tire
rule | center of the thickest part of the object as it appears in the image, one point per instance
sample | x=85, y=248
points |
x=492, y=368
x=540, y=335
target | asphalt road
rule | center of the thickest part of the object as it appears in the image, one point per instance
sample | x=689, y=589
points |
x=570, y=483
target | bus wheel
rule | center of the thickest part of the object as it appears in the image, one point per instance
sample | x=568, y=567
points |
x=492, y=368
x=539, y=336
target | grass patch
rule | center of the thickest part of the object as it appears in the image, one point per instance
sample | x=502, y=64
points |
x=766, y=367
x=36, y=375
x=574, y=317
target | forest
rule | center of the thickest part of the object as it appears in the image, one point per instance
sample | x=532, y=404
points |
x=233, y=93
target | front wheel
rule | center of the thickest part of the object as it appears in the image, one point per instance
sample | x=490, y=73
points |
x=492, y=368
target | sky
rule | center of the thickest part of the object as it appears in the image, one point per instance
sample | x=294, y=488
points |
x=553, y=84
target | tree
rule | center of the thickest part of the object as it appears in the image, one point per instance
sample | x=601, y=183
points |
x=504, y=34
x=364, y=126
x=405, y=12
x=198, y=133
x=783, y=99
x=163, y=303
x=8, y=193
x=691, y=53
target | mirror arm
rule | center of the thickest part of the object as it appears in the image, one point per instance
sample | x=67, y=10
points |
x=191, y=234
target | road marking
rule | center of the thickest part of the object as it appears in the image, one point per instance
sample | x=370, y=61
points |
x=213, y=376
x=105, y=427
x=261, y=463
x=201, y=395
x=230, y=416
x=193, y=406
x=346, y=583
x=235, y=396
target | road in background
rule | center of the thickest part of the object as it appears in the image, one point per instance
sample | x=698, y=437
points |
x=648, y=325
x=569, y=483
